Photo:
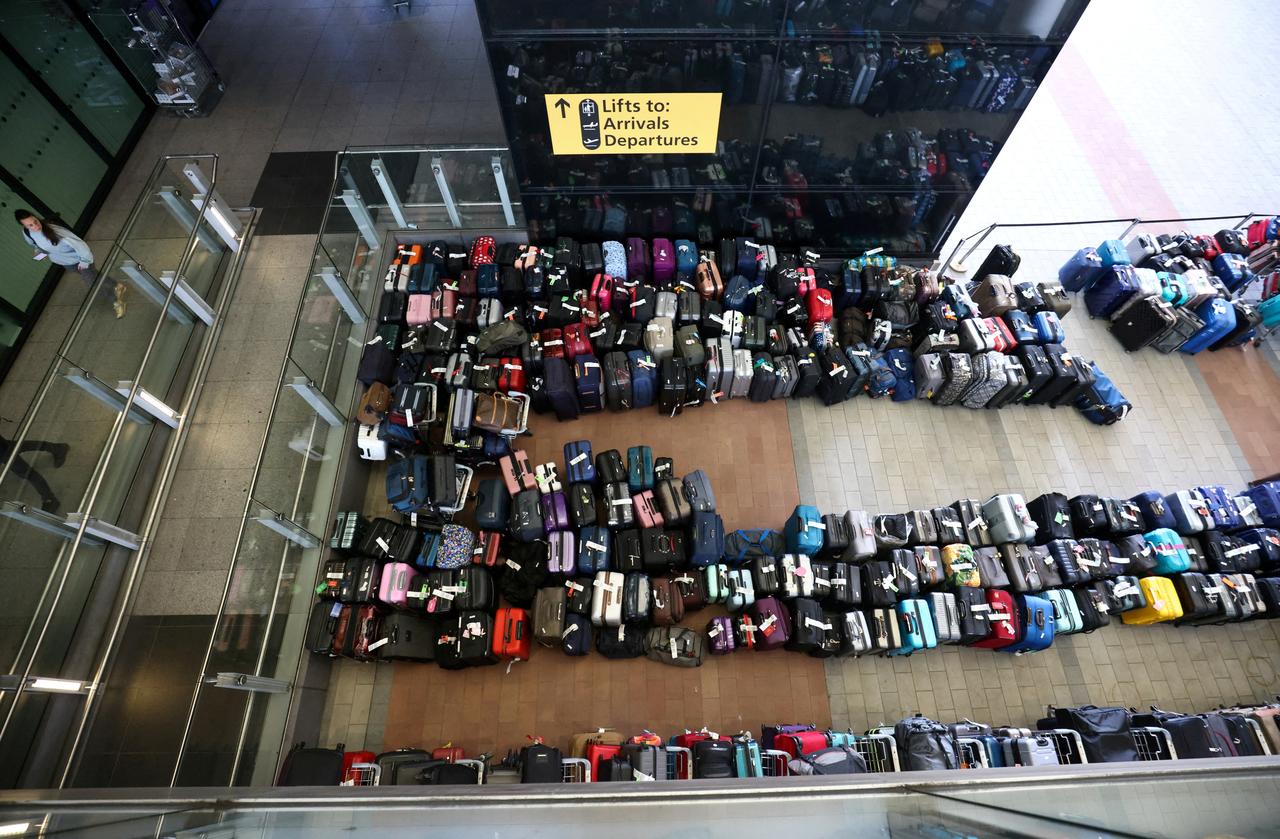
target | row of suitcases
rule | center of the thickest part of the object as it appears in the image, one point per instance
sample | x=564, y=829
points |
x=1171, y=292
x=1066, y=735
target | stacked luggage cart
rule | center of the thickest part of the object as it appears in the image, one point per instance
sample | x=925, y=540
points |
x=1069, y=736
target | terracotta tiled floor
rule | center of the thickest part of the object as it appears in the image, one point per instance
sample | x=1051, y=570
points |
x=553, y=696
x=1247, y=389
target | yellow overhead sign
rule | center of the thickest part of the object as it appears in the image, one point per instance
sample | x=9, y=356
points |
x=633, y=123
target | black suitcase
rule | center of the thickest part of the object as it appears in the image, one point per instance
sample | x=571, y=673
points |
x=836, y=536
x=762, y=378
x=393, y=307
x=806, y=625
x=1081, y=371
x=1001, y=260
x=304, y=767
x=1089, y=516
x=1039, y=371
x=1062, y=375
x=878, y=581
x=1052, y=516
x=617, y=381
x=661, y=550
x=673, y=386
x=1095, y=612
x=320, y=626
x=1066, y=554
x=808, y=371
x=1187, y=323
x=582, y=504
x=409, y=637
x=610, y=467
x=1142, y=322
x=972, y=609
x=628, y=555
x=1197, y=596
x=616, y=514
x=837, y=380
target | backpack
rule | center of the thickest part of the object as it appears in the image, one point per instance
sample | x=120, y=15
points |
x=926, y=744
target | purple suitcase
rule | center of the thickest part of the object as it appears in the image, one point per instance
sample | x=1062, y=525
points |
x=1112, y=290
x=1081, y=270
x=555, y=512
x=720, y=631
x=561, y=556
x=773, y=620
x=664, y=263
x=637, y=260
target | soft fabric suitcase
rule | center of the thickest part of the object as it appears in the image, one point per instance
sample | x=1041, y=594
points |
x=1155, y=512
x=1003, y=618
x=961, y=568
x=929, y=565
x=1221, y=509
x=773, y=620
x=1141, y=322
x=1052, y=516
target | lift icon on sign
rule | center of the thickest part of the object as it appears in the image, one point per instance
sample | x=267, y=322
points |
x=588, y=121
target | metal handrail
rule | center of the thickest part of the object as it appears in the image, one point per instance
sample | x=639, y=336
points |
x=981, y=235
x=104, y=460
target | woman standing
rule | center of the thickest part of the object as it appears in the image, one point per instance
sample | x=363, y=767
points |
x=62, y=247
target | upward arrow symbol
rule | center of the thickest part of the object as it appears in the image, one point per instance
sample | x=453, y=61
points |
x=563, y=105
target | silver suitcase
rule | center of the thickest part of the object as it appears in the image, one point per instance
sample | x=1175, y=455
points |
x=719, y=368
x=1031, y=751
x=946, y=616
x=1007, y=519
x=862, y=537
x=659, y=339
x=857, y=636
x=666, y=305
x=741, y=373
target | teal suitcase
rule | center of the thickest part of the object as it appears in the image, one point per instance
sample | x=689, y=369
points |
x=640, y=468
x=1066, y=612
x=916, y=622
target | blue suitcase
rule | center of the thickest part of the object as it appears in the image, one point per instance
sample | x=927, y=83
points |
x=993, y=748
x=579, y=466
x=737, y=294
x=1102, y=403
x=493, y=505
x=706, y=539
x=1155, y=512
x=1171, y=551
x=803, y=531
x=487, y=284
x=1035, y=624
x=593, y=550
x=560, y=387
x=1023, y=329
x=1081, y=270
x=1225, y=515
x=902, y=365
x=1112, y=290
x=748, y=257
x=686, y=258
x=1233, y=270
x=644, y=378
x=409, y=484
x=849, y=292
x=1219, y=318
x=1048, y=328
x=1113, y=252
x=639, y=468
x=590, y=383
x=880, y=380
x=916, y=624
x=1266, y=497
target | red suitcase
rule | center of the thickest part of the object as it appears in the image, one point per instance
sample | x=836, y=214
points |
x=511, y=376
x=1003, y=618
x=598, y=754
x=552, y=343
x=482, y=251
x=348, y=758
x=1004, y=340
x=801, y=742
x=488, y=548
x=575, y=341
x=448, y=752
x=820, y=308
x=512, y=634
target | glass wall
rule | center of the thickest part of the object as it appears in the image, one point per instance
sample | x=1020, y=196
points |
x=845, y=126
x=72, y=115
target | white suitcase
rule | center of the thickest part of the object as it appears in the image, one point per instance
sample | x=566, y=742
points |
x=797, y=576
x=1141, y=247
x=371, y=446
x=735, y=323
x=606, y=598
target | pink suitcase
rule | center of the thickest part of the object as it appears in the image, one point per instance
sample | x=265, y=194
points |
x=422, y=309
x=648, y=514
x=602, y=291
x=517, y=472
x=397, y=580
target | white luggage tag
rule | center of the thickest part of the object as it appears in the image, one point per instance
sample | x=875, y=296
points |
x=1243, y=549
x=572, y=586
x=817, y=624
x=1125, y=589
x=714, y=632
x=570, y=629
x=766, y=625
x=381, y=642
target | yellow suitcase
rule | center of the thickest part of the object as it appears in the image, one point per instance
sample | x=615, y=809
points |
x=1162, y=599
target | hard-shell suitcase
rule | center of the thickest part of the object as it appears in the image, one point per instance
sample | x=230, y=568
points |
x=1081, y=270
x=916, y=625
x=1066, y=611
x=606, y=598
x=1052, y=516
x=1141, y=322
x=579, y=465
x=972, y=610
x=946, y=617
x=1002, y=618
x=1036, y=624
x=1162, y=603
x=1111, y=290
x=1219, y=318
x=1007, y=518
